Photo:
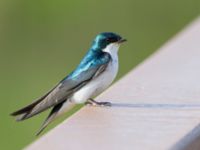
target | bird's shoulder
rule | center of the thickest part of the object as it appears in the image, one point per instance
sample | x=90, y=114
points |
x=100, y=59
x=89, y=64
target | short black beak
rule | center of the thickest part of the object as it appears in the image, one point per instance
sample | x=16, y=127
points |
x=121, y=41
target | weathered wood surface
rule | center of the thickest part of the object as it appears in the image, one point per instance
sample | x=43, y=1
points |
x=156, y=106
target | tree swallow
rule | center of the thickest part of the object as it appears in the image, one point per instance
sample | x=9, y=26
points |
x=92, y=76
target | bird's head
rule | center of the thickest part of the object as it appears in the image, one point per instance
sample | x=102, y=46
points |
x=107, y=39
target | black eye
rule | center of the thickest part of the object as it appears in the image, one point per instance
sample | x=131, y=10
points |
x=111, y=40
x=108, y=39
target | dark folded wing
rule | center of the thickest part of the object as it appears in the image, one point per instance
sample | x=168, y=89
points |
x=77, y=79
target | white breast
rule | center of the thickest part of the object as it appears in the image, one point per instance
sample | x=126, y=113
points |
x=99, y=84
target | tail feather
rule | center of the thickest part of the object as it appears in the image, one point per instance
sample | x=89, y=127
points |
x=25, y=111
x=26, y=108
x=22, y=117
x=51, y=117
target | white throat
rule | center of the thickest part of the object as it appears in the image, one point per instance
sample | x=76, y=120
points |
x=112, y=48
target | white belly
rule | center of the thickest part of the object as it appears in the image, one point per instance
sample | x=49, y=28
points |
x=97, y=85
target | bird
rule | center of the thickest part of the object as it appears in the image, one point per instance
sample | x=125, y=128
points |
x=91, y=77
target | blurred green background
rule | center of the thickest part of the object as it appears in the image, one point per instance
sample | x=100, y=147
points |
x=41, y=41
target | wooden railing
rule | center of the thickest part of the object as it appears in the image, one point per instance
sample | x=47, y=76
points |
x=155, y=107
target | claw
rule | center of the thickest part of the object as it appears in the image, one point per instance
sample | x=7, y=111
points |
x=89, y=103
x=95, y=103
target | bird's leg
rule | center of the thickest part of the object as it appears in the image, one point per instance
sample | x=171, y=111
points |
x=95, y=103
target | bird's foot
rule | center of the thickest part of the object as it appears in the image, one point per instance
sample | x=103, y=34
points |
x=95, y=103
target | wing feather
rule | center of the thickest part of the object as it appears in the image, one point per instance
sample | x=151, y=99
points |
x=77, y=79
